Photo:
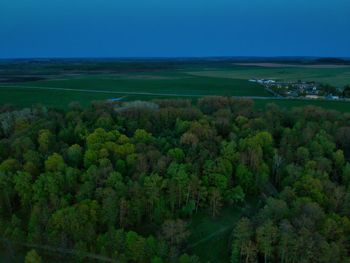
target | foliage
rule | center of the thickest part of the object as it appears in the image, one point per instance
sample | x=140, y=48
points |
x=126, y=184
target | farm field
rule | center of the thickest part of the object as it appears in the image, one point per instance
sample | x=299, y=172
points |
x=57, y=84
x=24, y=97
x=180, y=84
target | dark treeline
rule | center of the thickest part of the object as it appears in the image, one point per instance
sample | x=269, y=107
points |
x=123, y=184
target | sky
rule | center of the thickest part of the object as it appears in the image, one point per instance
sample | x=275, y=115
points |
x=174, y=28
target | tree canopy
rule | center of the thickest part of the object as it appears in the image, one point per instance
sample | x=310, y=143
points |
x=125, y=184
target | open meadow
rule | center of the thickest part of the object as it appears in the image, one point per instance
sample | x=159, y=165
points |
x=56, y=84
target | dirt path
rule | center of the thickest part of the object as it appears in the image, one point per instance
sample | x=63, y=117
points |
x=133, y=93
x=108, y=91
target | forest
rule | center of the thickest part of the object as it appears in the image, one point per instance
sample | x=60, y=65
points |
x=120, y=185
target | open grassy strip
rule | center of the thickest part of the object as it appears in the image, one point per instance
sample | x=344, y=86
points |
x=210, y=237
x=167, y=83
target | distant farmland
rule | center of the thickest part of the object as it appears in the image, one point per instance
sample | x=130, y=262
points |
x=338, y=76
x=132, y=86
x=60, y=84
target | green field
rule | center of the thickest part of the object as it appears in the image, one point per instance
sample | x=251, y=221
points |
x=132, y=86
x=24, y=97
x=147, y=81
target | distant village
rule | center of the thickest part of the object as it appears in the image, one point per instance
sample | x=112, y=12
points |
x=311, y=89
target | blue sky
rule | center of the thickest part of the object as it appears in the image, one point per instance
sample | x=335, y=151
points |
x=174, y=28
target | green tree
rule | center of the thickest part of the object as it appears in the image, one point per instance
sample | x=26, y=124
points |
x=32, y=257
x=74, y=223
x=135, y=246
x=45, y=141
x=175, y=232
x=23, y=186
x=55, y=163
x=266, y=236
x=90, y=158
x=180, y=178
x=215, y=201
x=245, y=179
x=346, y=174
x=142, y=136
x=176, y=154
x=153, y=185
x=243, y=246
x=74, y=155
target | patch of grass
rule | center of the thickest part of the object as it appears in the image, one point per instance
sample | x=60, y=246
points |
x=210, y=237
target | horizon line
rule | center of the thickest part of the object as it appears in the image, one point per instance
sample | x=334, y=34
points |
x=172, y=57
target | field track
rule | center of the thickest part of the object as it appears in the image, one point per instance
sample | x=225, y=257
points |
x=108, y=91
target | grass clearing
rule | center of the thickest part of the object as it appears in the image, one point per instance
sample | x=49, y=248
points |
x=215, y=233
